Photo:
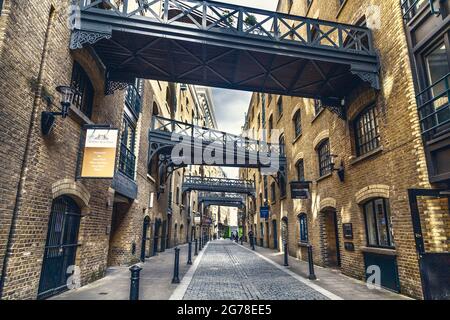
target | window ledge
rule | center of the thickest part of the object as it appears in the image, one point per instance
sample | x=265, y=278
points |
x=149, y=177
x=355, y=160
x=303, y=244
x=297, y=138
x=317, y=115
x=283, y=197
x=377, y=250
x=79, y=116
x=324, y=177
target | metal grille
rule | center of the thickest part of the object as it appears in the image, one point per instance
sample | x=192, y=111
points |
x=411, y=7
x=324, y=158
x=367, y=131
x=85, y=97
x=61, y=246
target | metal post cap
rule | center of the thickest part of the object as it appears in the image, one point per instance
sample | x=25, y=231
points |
x=135, y=268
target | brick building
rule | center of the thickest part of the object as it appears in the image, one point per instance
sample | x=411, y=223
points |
x=50, y=218
x=375, y=176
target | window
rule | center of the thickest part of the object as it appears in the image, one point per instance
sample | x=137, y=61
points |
x=324, y=158
x=273, y=194
x=81, y=82
x=317, y=106
x=300, y=170
x=282, y=186
x=1, y=7
x=297, y=124
x=303, y=222
x=282, y=144
x=178, y=196
x=280, y=106
x=270, y=124
x=127, y=159
x=378, y=223
x=367, y=133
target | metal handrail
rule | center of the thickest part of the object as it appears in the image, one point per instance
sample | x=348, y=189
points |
x=434, y=109
x=222, y=17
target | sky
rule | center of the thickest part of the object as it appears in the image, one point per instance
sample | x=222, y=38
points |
x=231, y=105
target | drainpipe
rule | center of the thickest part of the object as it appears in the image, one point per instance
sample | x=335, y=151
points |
x=26, y=157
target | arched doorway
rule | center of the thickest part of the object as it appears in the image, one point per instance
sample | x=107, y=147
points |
x=330, y=238
x=156, y=236
x=60, y=247
x=275, y=234
x=145, y=238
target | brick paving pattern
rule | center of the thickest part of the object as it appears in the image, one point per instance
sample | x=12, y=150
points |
x=229, y=272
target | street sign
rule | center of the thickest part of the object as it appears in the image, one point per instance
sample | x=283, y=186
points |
x=264, y=213
x=300, y=190
x=99, y=157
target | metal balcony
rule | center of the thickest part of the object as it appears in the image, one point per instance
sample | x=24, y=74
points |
x=223, y=45
x=195, y=183
x=236, y=151
x=434, y=109
x=411, y=8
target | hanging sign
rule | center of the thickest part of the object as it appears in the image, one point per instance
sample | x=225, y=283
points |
x=300, y=190
x=264, y=213
x=99, y=158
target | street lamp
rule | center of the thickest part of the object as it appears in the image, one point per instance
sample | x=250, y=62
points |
x=67, y=95
x=340, y=170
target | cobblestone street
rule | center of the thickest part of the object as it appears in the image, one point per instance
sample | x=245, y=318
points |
x=230, y=272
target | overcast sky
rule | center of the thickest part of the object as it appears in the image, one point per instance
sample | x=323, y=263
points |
x=231, y=105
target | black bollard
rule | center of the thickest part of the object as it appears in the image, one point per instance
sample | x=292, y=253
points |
x=196, y=247
x=286, y=264
x=242, y=241
x=176, y=267
x=189, y=253
x=312, y=275
x=200, y=244
x=252, y=240
x=134, y=285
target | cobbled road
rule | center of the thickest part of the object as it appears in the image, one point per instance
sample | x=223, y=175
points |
x=230, y=272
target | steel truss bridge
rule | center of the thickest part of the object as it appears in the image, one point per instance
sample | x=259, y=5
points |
x=203, y=146
x=229, y=46
x=222, y=185
x=221, y=199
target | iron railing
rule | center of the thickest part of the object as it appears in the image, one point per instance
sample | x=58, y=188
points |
x=127, y=162
x=133, y=99
x=192, y=182
x=208, y=135
x=434, y=109
x=411, y=7
x=241, y=21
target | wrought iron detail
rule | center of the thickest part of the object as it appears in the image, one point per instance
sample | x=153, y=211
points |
x=369, y=77
x=113, y=86
x=211, y=184
x=79, y=38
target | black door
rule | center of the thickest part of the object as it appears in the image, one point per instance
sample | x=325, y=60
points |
x=275, y=234
x=61, y=246
x=163, y=236
x=156, y=236
x=434, y=263
x=145, y=238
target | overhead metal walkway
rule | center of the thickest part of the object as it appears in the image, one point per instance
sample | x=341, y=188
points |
x=224, y=185
x=203, y=146
x=221, y=199
x=228, y=46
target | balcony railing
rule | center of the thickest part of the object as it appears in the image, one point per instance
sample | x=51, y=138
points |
x=127, y=162
x=434, y=109
x=133, y=100
x=411, y=7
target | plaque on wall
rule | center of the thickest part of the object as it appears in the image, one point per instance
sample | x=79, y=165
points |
x=347, y=230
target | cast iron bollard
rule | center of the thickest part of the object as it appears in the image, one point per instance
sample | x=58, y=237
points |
x=252, y=243
x=200, y=244
x=189, y=253
x=176, y=267
x=286, y=264
x=196, y=247
x=255, y=241
x=242, y=241
x=134, y=285
x=312, y=275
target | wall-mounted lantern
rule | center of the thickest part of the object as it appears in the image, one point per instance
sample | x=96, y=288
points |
x=340, y=170
x=67, y=95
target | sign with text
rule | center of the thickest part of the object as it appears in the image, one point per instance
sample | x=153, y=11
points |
x=264, y=213
x=300, y=190
x=99, y=158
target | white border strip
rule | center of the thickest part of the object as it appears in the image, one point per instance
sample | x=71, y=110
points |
x=180, y=291
x=319, y=289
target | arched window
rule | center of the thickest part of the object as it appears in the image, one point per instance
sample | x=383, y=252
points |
x=300, y=170
x=297, y=124
x=378, y=223
x=303, y=223
x=323, y=151
x=282, y=144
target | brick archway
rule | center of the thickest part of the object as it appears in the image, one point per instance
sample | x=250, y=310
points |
x=372, y=191
x=73, y=189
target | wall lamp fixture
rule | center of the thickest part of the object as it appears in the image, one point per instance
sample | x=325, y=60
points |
x=340, y=170
x=67, y=95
